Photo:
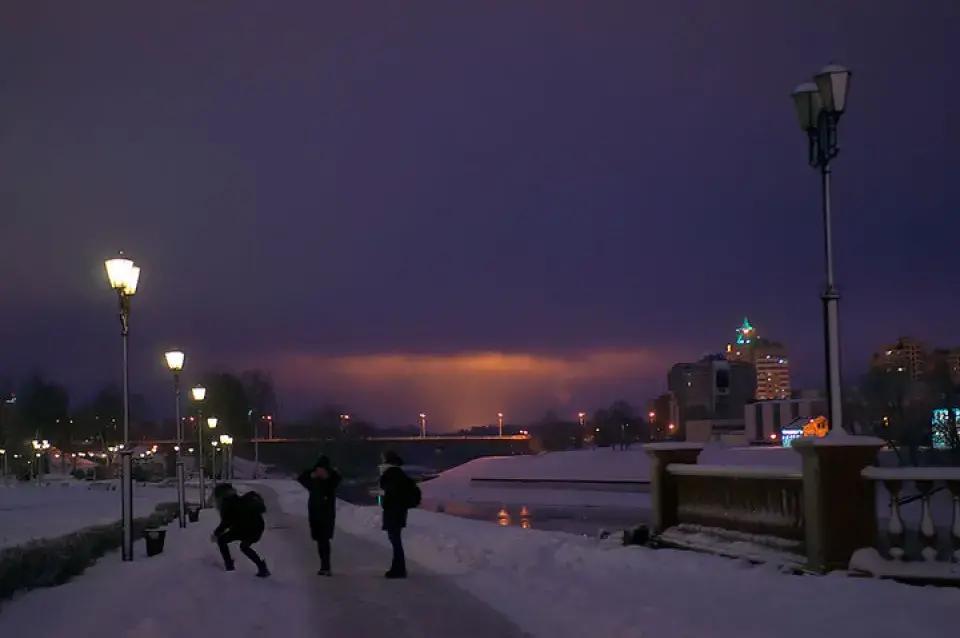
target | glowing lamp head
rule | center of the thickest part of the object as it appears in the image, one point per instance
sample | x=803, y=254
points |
x=212, y=422
x=199, y=393
x=175, y=360
x=422, y=415
x=499, y=415
x=123, y=274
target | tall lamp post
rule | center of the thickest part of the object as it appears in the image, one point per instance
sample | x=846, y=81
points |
x=199, y=393
x=819, y=105
x=175, y=360
x=212, y=425
x=500, y=423
x=226, y=442
x=423, y=425
x=124, y=276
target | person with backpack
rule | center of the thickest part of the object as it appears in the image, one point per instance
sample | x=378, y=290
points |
x=321, y=482
x=241, y=519
x=400, y=494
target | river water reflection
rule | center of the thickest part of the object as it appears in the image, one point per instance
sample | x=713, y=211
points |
x=581, y=520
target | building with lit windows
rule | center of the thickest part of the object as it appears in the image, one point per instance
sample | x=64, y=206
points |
x=906, y=355
x=768, y=357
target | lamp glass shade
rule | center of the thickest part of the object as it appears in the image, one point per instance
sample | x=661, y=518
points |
x=422, y=415
x=175, y=359
x=806, y=100
x=119, y=272
x=131, y=288
x=212, y=422
x=833, y=83
x=199, y=393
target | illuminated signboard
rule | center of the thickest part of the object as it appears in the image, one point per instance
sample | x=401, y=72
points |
x=941, y=424
x=788, y=436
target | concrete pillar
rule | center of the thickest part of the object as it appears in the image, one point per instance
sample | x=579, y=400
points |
x=840, y=506
x=663, y=486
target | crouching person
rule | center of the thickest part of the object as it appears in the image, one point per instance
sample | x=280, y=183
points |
x=241, y=519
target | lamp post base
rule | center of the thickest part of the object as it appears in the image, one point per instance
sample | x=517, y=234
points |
x=126, y=503
x=181, y=494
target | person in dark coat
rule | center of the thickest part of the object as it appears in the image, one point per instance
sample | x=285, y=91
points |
x=394, y=484
x=241, y=519
x=322, y=482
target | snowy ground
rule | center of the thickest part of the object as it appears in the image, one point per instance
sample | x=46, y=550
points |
x=28, y=512
x=184, y=592
x=470, y=580
x=555, y=585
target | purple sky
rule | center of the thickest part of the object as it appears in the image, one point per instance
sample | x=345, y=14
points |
x=463, y=207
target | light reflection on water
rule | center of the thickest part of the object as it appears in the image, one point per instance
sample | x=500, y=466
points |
x=574, y=520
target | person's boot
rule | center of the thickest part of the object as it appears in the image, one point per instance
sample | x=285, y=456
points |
x=392, y=573
x=229, y=567
x=262, y=571
x=324, y=571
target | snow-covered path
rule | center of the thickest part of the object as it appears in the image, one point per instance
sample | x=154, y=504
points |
x=184, y=593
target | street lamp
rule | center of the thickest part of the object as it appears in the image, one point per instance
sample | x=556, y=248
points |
x=3, y=463
x=175, y=360
x=819, y=105
x=344, y=421
x=199, y=394
x=227, y=466
x=500, y=422
x=124, y=277
x=423, y=425
x=212, y=425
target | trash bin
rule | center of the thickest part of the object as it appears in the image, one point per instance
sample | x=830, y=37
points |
x=154, y=537
x=193, y=512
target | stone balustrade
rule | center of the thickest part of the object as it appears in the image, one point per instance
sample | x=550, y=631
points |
x=816, y=519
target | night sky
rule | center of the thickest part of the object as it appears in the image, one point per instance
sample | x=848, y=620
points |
x=463, y=207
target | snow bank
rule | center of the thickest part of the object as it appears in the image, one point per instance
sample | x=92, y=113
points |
x=557, y=585
x=244, y=469
x=600, y=464
x=28, y=512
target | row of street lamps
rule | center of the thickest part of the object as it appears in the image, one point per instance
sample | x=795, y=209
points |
x=124, y=277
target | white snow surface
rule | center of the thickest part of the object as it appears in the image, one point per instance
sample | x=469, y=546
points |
x=556, y=585
x=599, y=464
x=29, y=512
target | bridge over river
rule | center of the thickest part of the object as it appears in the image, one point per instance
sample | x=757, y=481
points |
x=361, y=456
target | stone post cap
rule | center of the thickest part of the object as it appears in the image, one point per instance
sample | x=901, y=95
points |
x=811, y=444
x=672, y=446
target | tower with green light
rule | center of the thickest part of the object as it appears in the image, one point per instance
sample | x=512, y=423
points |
x=767, y=356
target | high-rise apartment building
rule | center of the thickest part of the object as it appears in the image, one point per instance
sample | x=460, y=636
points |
x=712, y=388
x=905, y=355
x=768, y=357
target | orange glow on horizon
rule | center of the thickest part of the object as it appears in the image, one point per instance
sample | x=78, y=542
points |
x=461, y=388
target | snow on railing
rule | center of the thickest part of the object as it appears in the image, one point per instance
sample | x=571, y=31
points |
x=930, y=483
x=752, y=500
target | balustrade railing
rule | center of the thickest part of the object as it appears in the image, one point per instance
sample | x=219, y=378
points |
x=935, y=503
x=752, y=500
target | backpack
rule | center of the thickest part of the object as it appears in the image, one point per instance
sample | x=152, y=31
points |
x=254, y=503
x=411, y=494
